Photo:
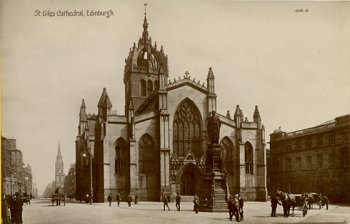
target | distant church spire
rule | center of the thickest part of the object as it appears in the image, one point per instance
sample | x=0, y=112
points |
x=145, y=25
x=59, y=155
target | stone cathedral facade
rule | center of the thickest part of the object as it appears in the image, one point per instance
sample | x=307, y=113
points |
x=159, y=145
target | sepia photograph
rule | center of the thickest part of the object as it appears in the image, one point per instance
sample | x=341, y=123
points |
x=175, y=111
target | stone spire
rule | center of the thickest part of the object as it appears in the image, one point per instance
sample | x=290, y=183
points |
x=82, y=113
x=104, y=100
x=256, y=116
x=59, y=155
x=145, y=25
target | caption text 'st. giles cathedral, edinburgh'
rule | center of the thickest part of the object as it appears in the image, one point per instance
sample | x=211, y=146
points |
x=159, y=146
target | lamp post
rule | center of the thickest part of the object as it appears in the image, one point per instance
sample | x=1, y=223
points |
x=85, y=154
x=26, y=178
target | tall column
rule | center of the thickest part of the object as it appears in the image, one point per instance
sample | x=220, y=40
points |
x=133, y=167
x=164, y=153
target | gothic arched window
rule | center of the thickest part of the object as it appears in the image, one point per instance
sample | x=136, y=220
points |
x=143, y=87
x=187, y=129
x=121, y=157
x=148, y=156
x=248, y=152
x=150, y=87
x=156, y=85
x=227, y=155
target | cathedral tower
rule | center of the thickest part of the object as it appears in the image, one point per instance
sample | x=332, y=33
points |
x=141, y=72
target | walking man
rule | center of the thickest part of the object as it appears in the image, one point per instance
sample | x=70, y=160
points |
x=109, y=198
x=165, y=202
x=129, y=199
x=136, y=199
x=178, y=200
x=241, y=202
x=274, y=203
x=195, y=203
x=117, y=197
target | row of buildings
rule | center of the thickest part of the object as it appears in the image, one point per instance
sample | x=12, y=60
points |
x=315, y=159
x=158, y=146
x=16, y=176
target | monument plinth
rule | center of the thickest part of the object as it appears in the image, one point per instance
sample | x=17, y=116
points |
x=215, y=186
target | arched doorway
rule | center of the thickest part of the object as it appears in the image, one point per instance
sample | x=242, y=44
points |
x=191, y=180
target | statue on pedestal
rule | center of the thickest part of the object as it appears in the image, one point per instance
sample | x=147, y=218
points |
x=214, y=125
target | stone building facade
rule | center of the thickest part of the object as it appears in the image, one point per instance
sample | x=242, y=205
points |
x=159, y=145
x=315, y=159
x=15, y=175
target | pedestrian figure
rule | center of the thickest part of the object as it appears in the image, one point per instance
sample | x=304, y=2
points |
x=241, y=202
x=304, y=209
x=6, y=218
x=324, y=201
x=117, y=197
x=109, y=198
x=129, y=200
x=274, y=203
x=136, y=199
x=70, y=197
x=178, y=200
x=165, y=202
x=195, y=203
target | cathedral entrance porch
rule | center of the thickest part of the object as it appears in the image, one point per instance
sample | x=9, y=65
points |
x=190, y=181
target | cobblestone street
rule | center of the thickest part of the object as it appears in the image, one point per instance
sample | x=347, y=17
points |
x=41, y=211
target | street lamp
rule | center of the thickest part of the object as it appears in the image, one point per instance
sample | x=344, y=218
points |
x=26, y=178
x=91, y=188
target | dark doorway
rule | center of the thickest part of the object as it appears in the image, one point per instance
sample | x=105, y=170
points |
x=190, y=181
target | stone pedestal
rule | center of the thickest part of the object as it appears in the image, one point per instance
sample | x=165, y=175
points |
x=213, y=198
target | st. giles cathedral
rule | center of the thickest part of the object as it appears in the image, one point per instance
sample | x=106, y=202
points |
x=159, y=146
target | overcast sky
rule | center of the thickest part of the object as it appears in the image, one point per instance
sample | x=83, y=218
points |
x=293, y=65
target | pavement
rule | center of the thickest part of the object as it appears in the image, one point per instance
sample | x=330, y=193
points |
x=42, y=212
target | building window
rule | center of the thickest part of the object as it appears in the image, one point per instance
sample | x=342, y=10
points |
x=345, y=157
x=288, y=164
x=248, y=149
x=148, y=156
x=143, y=87
x=121, y=157
x=156, y=85
x=319, y=160
x=345, y=137
x=187, y=129
x=150, y=87
x=320, y=140
x=298, y=145
x=331, y=139
x=309, y=162
x=227, y=155
x=299, y=166
x=331, y=159
x=308, y=143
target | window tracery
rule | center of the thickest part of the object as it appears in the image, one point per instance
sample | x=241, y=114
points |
x=187, y=130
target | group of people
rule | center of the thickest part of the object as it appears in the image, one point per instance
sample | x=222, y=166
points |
x=12, y=207
x=235, y=207
x=118, y=198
